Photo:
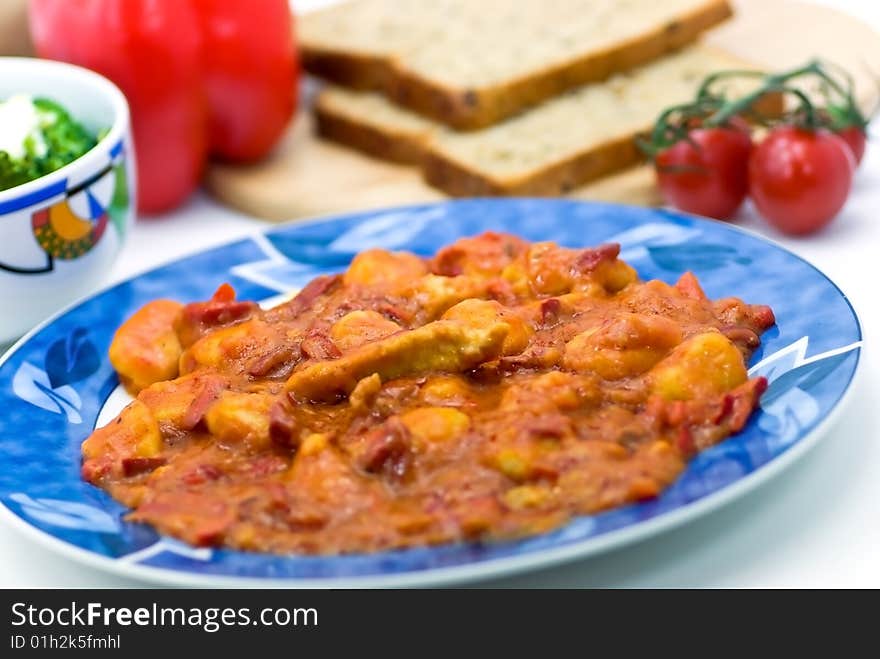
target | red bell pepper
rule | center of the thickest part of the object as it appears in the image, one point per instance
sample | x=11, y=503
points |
x=202, y=77
x=250, y=74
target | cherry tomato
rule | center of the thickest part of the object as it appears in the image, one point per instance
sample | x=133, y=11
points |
x=250, y=74
x=799, y=179
x=152, y=50
x=707, y=174
x=856, y=138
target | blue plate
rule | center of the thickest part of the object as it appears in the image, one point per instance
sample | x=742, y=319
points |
x=56, y=381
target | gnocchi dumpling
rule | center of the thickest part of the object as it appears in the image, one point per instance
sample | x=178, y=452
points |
x=704, y=365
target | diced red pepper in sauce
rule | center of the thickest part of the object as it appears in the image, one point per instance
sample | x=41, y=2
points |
x=491, y=392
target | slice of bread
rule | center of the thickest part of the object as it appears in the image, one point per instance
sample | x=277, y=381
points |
x=369, y=122
x=470, y=63
x=577, y=137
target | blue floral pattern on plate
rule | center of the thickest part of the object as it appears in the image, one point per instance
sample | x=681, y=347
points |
x=54, y=384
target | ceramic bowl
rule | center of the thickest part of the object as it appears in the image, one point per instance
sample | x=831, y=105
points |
x=60, y=234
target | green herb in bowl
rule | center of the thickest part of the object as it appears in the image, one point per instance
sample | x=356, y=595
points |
x=37, y=136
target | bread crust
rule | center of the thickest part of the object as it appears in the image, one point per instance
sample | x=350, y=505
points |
x=458, y=180
x=385, y=144
x=471, y=109
x=349, y=69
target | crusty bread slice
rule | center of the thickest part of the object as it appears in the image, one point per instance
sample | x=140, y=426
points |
x=371, y=123
x=470, y=63
x=577, y=137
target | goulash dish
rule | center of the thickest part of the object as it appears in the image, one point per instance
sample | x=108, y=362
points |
x=488, y=393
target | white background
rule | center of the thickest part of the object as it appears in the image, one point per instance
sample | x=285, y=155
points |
x=816, y=524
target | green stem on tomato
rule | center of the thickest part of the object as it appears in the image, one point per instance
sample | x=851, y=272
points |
x=848, y=112
x=734, y=108
x=703, y=91
x=811, y=117
x=667, y=132
x=712, y=110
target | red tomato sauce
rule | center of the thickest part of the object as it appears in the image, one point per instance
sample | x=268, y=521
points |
x=490, y=392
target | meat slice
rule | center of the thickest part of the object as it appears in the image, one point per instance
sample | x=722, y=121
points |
x=359, y=327
x=589, y=259
x=198, y=318
x=387, y=449
x=444, y=345
x=317, y=344
x=313, y=290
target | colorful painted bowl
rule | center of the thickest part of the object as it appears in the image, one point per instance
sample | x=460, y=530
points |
x=60, y=233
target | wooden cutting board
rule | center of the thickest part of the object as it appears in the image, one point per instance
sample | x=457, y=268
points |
x=15, y=39
x=306, y=176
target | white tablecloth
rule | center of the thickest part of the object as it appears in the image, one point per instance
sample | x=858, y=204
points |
x=816, y=524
